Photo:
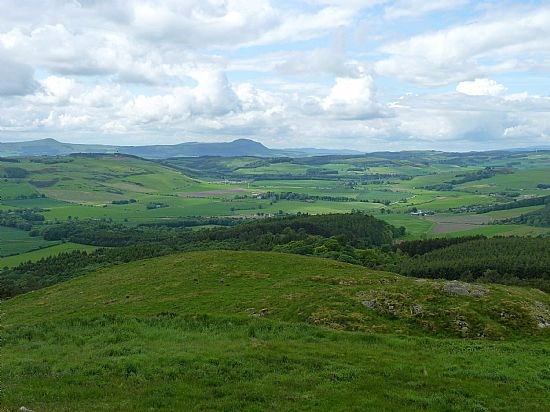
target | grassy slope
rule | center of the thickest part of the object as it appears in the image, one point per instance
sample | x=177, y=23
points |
x=183, y=332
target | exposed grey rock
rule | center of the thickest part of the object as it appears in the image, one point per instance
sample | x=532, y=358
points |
x=417, y=309
x=456, y=288
x=262, y=312
x=543, y=315
x=477, y=293
x=462, y=326
x=371, y=304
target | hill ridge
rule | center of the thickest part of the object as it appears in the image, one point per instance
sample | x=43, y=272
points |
x=237, y=147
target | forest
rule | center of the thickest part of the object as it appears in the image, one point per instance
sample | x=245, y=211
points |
x=508, y=260
x=354, y=238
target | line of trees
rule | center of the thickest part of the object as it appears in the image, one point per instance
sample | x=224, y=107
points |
x=539, y=218
x=532, y=201
x=304, y=197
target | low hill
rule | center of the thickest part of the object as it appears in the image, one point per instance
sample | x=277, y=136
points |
x=89, y=178
x=223, y=330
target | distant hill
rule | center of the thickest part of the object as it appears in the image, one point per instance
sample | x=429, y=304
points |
x=49, y=147
x=239, y=147
x=311, y=151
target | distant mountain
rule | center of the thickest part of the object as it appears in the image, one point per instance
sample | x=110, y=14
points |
x=239, y=147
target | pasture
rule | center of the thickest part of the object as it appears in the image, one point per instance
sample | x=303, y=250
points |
x=14, y=241
x=32, y=256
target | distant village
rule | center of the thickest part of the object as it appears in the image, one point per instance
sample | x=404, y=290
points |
x=418, y=212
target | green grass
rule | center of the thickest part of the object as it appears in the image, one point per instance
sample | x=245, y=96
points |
x=278, y=168
x=500, y=230
x=97, y=180
x=13, y=241
x=256, y=331
x=12, y=188
x=11, y=261
x=506, y=214
x=522, y=180
x=416, y=227
x=36, y=203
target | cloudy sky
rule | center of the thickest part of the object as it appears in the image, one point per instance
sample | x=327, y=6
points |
x=357, y=74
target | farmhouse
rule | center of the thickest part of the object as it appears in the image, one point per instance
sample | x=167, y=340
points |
x=422, y=213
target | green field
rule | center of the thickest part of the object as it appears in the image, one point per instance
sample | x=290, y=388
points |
x=506, y=214
x=255, y=331
x=11, y=261
x=525, y=181
x=416, y=228
x=13, y=241
x=501, y=230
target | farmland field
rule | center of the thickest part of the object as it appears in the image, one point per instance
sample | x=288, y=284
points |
x=46, y=251
x=14, y=241
x=134, y=191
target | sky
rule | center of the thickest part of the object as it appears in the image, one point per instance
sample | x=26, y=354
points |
x=351, y=74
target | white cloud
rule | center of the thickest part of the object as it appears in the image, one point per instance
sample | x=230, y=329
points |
x=307, y=26
x=204, y=23
x=15, y=78
x=480, y=87
x=290, y=73
x=469, y=50
x=212, y=96
x=332, y=60
x=57, y=89
x=353, y=98
x=253, y=99
x=64, y=120
x=416, y=8
x=459, y=121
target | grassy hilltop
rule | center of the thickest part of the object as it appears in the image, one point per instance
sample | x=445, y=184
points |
x=254, y=331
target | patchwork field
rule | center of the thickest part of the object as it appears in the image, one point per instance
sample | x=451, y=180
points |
x=134, y=191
